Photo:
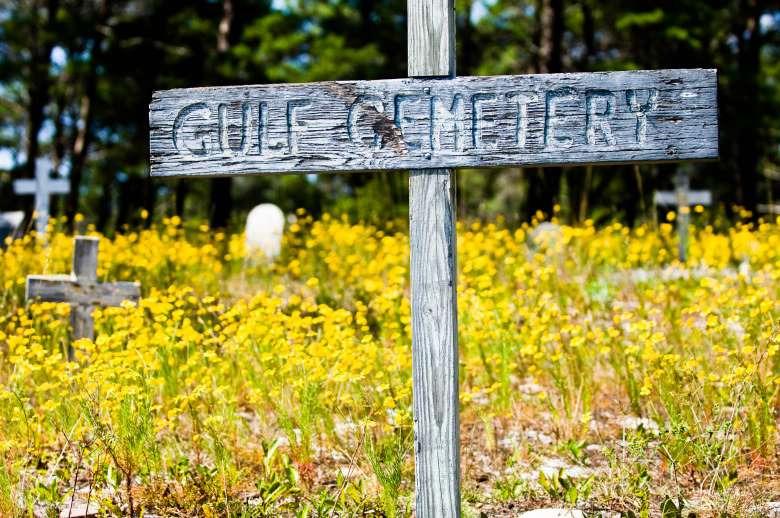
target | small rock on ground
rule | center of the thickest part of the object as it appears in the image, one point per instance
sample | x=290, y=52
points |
x=79, y=510
x=553, y=513
x=631, y=422
x=552, y=466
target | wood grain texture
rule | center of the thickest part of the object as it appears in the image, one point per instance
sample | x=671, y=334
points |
x=431, y=38
x=433, y=272
x=82, y=325
x=530, y=120
x=66, y=288
x=682, y=186
x=85, y=253
x=433, y=250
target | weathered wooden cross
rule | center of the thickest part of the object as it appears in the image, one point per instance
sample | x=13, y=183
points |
x=42, y=186
x=81, y=289
x=683, y=197
x=429, y=123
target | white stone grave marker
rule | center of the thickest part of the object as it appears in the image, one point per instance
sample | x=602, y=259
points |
x=264, y=230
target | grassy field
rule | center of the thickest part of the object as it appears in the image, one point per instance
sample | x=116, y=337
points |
x=596, y=371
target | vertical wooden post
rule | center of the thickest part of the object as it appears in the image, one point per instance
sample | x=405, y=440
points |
x=81, y=322
x=85, y=252
x=431, y=38
x=682, y=185
x=432, y=217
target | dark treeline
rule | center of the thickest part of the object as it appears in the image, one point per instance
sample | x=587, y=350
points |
x=76, y=78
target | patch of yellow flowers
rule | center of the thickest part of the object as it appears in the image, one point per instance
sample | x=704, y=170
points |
x=224, y=351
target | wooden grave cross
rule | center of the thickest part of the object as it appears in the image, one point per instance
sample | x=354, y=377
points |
x=81, y=289
x=42, y=186
x=683, y=197
x=429, y=123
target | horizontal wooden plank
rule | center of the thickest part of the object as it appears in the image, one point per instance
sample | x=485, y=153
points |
x=529, y=120
x=65, y=288
x=694, y=198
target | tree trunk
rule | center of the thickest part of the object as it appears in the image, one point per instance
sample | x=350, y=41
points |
x=182, y=189
x=576, y=177
x=582, y=210
x=42, y=43
x=143, y=187
x=367, y=8
x=221, y=202
x=550, y=36
x=749, y=148
x=221, y=188
x=83, y=136
x=106, y=203
x=225, y=24
x=544, y=184
x=467, y=51
x=60, y=136
x=630, y=198
x=79, y=154
x=149, y=201
x=588, y=34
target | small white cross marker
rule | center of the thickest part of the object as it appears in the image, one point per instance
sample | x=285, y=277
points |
x=42, y=186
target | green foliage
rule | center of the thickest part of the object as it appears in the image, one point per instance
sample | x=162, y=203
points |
x=350, y=500
x=47, y=494
x=280, y=480
x=560, y=486
x=110, y=56
x=130, y=443
x=387, y=456
x=301, y=428
x=671, y=508
x=633, y=471
x=511, y=488
x=378, y=201
x=639, y=19
x=7, y=504
x=276, y=490
x=575, y=450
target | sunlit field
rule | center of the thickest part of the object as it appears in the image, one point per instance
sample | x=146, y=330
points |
x=596, y=371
